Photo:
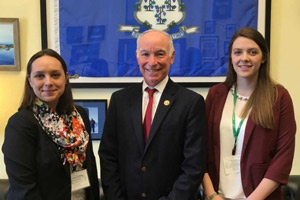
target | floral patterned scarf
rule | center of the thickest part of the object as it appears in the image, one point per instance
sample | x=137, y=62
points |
x=67, y=131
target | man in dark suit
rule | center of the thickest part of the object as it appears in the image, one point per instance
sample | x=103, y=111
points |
x=167, y=161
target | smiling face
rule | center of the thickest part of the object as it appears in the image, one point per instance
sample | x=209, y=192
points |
x=48, y=80
x=246, y=58
x=154, y=57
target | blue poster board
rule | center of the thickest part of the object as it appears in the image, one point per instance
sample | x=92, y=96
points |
x=97, y=38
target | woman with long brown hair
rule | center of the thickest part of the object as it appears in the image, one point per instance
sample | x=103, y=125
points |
x=251, y=126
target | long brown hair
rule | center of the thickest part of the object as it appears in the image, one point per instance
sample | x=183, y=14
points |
x=265, y=93
x=65, y=103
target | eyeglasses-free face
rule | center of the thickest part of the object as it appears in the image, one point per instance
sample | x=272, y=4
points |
x=154, y=57
x=246, y=58
x=48, y=80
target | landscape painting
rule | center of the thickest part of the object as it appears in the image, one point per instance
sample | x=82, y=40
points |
x=9, y=45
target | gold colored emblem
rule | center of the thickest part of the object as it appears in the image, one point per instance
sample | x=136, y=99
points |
x=166, y=102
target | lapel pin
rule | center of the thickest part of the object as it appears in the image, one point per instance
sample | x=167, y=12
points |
x=166, y=102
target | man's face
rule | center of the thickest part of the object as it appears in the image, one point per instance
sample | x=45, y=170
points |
x=154, y=57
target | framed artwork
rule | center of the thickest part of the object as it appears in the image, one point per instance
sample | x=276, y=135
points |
x=96, y=110
x=9, y=44
x=97, y=38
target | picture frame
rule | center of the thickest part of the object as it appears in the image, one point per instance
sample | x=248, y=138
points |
x=96, y=110
x=50, y=40
x=9, y=44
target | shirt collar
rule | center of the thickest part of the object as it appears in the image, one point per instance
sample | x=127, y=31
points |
x=159, y=87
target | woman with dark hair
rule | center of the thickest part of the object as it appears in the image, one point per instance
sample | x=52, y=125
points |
x=251, y=126
x=47, y=148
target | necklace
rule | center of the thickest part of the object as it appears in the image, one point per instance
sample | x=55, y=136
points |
x=239, y=97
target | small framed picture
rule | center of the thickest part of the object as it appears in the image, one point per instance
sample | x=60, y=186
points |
x=96, y=110
x=9, y=44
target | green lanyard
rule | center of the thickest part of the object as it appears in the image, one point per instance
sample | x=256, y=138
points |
x=235, y=131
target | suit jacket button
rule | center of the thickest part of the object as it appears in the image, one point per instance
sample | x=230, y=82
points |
x=144, y=169
x=144, y=195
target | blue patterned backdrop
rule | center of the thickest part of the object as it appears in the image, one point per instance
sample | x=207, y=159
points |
x=97, y=37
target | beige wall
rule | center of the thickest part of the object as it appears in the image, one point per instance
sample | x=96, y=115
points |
x=285, y=65
x=11, y=83
x=285, y=41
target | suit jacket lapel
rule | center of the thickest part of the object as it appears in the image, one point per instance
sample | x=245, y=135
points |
x=166, y=101
x=220, y=99
x=136, y=116
x=54, y=147
x=248, y=132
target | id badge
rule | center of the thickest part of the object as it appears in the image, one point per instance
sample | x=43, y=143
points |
x=80, y=180
x=232, y=164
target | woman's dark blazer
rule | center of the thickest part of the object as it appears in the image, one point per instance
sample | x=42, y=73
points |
x=265, y=153
x=33, y=163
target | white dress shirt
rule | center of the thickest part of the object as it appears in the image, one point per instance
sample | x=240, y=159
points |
x=156, y=96
x=230, y=185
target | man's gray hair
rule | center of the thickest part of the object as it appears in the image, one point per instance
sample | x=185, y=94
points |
x=171, y=47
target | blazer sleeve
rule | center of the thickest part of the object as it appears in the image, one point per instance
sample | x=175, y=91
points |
x=281, y=163
x=93, y=191
x=19, y=148
x=110, y=172
x=194, y=163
